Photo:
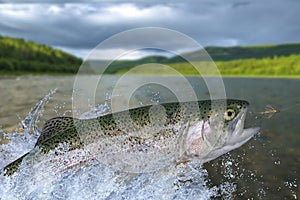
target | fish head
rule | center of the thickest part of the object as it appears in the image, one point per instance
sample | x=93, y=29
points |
x=220, y=131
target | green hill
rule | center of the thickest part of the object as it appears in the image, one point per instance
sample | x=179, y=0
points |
x=262, y=60
x=19, y=56
x=118, y=65
x=245, y=52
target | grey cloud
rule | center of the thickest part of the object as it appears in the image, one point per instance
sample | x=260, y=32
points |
x=240, y=4
x=83, y=25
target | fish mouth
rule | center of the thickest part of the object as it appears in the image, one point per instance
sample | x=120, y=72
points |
x=240, y=135
x=238, y=123
x=237, y=136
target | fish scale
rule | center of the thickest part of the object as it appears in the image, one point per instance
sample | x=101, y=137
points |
x=133, y=131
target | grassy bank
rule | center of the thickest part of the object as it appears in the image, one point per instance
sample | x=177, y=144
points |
x=282, y=66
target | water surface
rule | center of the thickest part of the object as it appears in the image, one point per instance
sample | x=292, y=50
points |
x=267, y=167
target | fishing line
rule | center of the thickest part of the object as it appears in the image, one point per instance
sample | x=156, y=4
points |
x=290, y=107
x=258, y=117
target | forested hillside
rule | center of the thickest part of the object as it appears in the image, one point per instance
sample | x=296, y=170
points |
x=19, y=56
x=263, y=60
x=245, y=52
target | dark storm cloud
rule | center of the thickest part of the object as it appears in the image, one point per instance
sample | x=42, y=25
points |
x=80, y=25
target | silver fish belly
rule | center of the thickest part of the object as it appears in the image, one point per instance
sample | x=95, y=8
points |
x=150, y=137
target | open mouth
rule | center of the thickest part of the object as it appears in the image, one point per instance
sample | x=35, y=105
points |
x=239, y=134
x=238, y=123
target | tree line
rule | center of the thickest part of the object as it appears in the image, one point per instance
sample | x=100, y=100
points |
x=18, y=55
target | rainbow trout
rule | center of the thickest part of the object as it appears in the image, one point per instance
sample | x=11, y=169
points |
x=152, y=135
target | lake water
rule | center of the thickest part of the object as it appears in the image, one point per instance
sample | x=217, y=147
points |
x=267, y=167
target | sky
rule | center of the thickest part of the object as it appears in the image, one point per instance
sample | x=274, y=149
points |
x=79, y=26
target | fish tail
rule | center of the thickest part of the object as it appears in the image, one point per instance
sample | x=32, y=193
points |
x=11, y=168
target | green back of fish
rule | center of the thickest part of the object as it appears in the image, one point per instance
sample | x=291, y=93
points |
x=77, y=132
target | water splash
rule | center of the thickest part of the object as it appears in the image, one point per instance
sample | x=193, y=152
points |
x=95, y=180
x=37, y=180
x=101, y=182
x=25, y=137
x=292, y=186
x=99, y=110
x=30, y=121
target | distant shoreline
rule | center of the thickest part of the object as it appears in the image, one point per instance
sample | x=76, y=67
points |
x=13, y=76
x=19, y=57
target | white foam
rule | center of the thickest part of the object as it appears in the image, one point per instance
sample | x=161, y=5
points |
x=36, y=178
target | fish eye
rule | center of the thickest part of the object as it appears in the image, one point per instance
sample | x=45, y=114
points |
x=229, y=114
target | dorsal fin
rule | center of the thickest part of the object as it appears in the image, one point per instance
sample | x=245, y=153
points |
x=54, y=126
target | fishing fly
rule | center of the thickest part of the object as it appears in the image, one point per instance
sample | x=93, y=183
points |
x=269, y=111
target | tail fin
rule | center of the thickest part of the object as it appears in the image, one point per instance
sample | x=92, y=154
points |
x=14, y=166
x=51, y=128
